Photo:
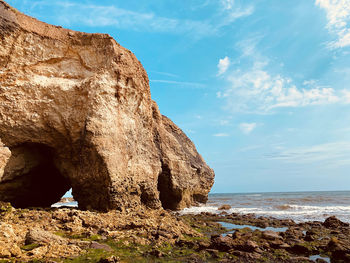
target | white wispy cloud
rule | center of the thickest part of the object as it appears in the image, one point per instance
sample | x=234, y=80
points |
x=69, y=13
x=223, y=65
x=330, y=152
x=167, y=74
x=346, y=95
x=178, y=83
x=247, y=128
x=228, y=4
x=224, y=122
x=338, y=15
x=221, y=135
x=231, y=11
x=98, y=15
x=256, y=89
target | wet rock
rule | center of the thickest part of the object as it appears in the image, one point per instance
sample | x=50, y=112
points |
x=341, y=255
x=271, y=235
x=186, y=243
x=213, y=252
x=339, y=250
x=111, y=259
x=310, y=236
x=277, y=244
x=284, y=246
x=262, y=224
x=246, y=256
x=156, y=253
x=300, y=259
x=301, y=249
x=221, y=243
x=250, y=246
x=293, y=233
x=333, y=222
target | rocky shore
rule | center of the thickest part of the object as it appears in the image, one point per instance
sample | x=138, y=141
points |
x=72, y=235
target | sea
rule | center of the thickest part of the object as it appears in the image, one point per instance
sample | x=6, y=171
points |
x=298, y=206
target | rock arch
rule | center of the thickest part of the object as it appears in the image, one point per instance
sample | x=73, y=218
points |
x=84, y=102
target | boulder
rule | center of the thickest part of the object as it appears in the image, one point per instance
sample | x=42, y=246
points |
x=339, y=249
x=333, y=222
x=301, y=249
x=76, y=112
x=42, y=237
x=221, y=243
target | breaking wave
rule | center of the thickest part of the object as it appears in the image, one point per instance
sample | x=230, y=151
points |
x=298, y=207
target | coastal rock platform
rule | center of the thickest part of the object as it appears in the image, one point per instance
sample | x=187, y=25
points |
x=150, y=235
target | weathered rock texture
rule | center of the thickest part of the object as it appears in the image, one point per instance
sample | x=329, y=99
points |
x=76, y=112
x=29, y=234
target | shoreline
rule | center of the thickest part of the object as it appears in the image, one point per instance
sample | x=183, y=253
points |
x=72, y=235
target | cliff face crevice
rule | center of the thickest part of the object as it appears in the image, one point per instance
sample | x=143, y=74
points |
x=81, y=105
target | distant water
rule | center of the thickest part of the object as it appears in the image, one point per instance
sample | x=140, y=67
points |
x=70, y=204
x=299, y=206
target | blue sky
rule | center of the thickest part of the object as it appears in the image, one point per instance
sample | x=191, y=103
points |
x=261, y=87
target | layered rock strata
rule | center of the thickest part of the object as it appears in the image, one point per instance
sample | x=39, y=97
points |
x=76, y=112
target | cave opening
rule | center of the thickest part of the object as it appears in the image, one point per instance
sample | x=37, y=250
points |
x=167, y=194
x=32, y=178
x=66, y=200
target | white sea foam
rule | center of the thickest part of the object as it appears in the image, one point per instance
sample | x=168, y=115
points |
x=70, y=204
x=200, y=209
x=298, y=213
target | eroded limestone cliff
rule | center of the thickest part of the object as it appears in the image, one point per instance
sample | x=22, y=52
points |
x=76, y=112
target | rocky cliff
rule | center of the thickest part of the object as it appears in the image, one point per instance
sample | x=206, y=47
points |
x=76, y=112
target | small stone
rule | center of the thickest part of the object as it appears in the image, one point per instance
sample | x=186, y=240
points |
x=284, y=245
x=224, y=207
x=300, y=249
x=222, y=243
x=96, y=245
x=299, y=259
x=111, y=259
x=270, y=235
x=213, y=252
x=156, y=253
x=262, y=224
x=250, y=246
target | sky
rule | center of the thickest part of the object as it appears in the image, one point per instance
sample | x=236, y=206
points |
x=262, y=87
